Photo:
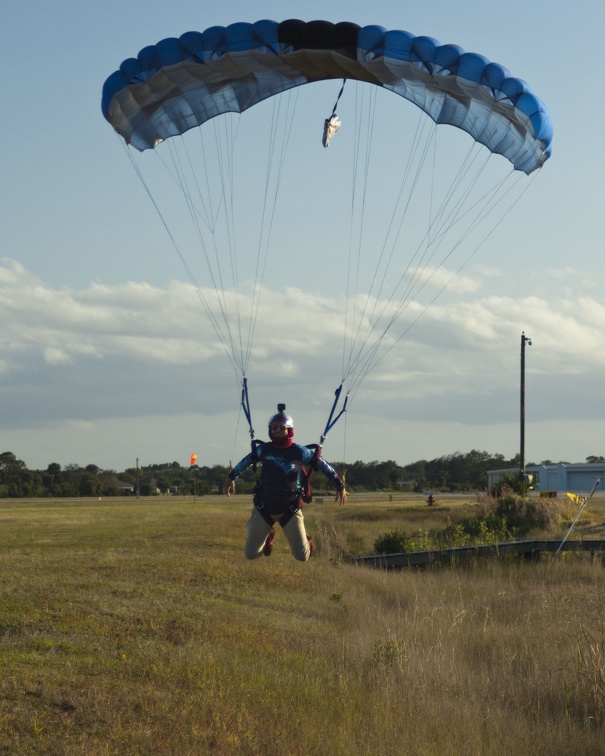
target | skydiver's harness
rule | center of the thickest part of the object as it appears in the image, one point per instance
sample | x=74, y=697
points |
x=302, y=494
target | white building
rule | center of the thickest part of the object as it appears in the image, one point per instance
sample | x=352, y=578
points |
x=556, y=478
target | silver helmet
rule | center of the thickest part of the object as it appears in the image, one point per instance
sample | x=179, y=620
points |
x=282, y=419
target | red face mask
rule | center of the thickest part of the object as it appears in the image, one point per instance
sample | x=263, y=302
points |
x=280, y=435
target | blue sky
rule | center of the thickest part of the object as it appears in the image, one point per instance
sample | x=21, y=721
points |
x=105, y=354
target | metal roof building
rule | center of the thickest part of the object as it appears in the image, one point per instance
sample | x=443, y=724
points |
x=563, y=476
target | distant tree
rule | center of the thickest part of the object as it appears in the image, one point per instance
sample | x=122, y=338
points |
x=372, y=476
x=31, y=484
x=109, y=485
x=456, y=472
x=50, y=478
x=163, y=483
x=130, y=474
x=416, y=472
x=452, y=472
x=89, y=485
x=23, y=483
x=9, y=466
x=10, y=474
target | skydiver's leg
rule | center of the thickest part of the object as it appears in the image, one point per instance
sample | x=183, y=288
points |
x=296, y=536
x=258, y=530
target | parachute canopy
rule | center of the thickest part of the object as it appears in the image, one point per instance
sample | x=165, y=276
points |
x=179, y=84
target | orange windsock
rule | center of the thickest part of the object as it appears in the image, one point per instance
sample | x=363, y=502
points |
x=192, y=461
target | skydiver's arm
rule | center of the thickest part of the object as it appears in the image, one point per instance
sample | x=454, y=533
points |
x=241, y=466
x=247, y=461
x=312, y=457
x=330, y=473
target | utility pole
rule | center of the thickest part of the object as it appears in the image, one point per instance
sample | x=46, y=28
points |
x=137, y=480
x=524, y=340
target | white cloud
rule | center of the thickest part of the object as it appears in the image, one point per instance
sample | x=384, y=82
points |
x=440, y=277
x=55, y=356
x=112, y=355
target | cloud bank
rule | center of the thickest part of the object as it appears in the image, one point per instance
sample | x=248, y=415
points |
x=131, y=356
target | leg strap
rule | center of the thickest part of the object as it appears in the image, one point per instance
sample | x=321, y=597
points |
x=265, y=515
x=283, y=520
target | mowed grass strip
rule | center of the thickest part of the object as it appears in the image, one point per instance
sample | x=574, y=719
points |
x=137, y=626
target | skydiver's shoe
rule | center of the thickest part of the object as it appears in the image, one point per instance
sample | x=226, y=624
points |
x=311, y=546
x=268, y=547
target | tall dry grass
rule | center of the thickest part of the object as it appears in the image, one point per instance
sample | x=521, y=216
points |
x=137, y=627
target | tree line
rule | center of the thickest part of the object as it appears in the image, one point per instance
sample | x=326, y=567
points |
x=453, y=472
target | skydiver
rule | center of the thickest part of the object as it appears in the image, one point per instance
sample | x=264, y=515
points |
x=282, y=488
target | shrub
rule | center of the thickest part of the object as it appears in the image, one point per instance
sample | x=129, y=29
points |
x=393, y=542
x=521, y=515
x=500, y=518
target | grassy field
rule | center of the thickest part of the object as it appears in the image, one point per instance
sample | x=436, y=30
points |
x=137, y=627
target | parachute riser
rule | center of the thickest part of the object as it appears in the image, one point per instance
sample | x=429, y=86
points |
x=246, y=406
x=331, y=419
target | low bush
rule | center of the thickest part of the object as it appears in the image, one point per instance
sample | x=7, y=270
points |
x=522, y=515
x=499, y=518
x=394, y=542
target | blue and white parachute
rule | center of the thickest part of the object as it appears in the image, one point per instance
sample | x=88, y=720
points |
x=179, y=84
x=404, y=249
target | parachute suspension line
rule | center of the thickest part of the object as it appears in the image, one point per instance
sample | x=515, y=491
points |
x=417, y=154
x=196, y=212
x=363, y=119
x=229, y=324
x=281, y=131
x=272, y=184
x=198, y=200
x=443, y=218
x=225, y=137
x=367, y=359
x=224, y=143
x=482, y=207
x=236, y=434
x=357, y=218
x=463, y=171
x=225, y=161
x=370, y=366
x=213, y=258
x=410, y=177
x=335, y=410
x=430, y=243
x=206, y=305
x=348, y=313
